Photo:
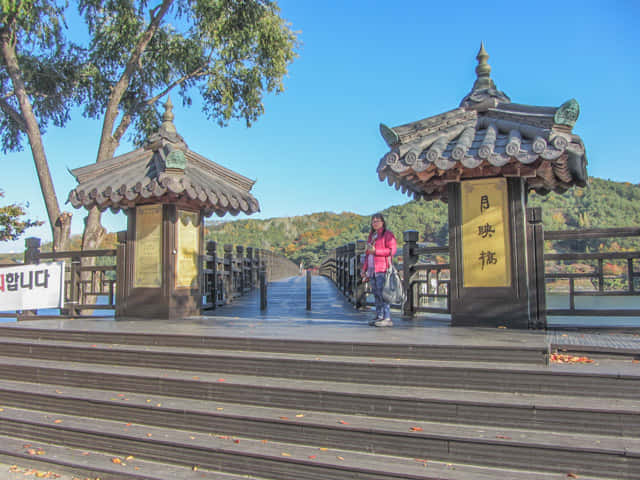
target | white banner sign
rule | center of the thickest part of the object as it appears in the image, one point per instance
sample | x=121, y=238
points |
x=31, y=287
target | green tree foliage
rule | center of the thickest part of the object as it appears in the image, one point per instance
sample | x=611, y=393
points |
x=11, y=224
x=39, y=76
x=602, y=204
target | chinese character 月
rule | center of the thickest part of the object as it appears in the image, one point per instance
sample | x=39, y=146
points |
x=484, y=203
x=486, y=230
x=487, y=258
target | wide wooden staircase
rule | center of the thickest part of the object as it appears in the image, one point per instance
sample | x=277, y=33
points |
x=112, y=405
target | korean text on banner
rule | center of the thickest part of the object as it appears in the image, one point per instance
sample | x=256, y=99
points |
x=30, y=287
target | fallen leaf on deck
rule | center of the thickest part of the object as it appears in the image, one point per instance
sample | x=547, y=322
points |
x=192, y=438
x=57, y=421
x=300, y=415
x=502, y=326
x=284, y=418
x=343, y=422
x=563, y=358
x=236, y=441
x=40, y=452
x=285, y=454
x=416, y=429
x=503, y=437
x=323, y=449
x=130, y=457
x=572, y=475
x=194, y=468
x=312, y=457
x=421, y=460
x=341, y=458
x=196, y=378
x=149, y=435
x=116, y=460
x=220, y=408
x=221, y=380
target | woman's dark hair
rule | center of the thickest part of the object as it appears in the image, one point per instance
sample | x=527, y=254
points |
x=381, y=217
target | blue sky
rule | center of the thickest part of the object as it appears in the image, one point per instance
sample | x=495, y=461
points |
x=361, y=63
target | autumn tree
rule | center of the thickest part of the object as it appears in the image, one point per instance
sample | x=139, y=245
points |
x=39, y=73
x=229, y=51
x=12, y=225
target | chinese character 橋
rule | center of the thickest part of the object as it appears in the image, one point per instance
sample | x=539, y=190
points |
x=487, y=258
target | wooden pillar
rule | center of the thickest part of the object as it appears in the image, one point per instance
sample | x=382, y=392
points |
x=473, y=304
x=212, y=266
x=409, y=259
x=240, y=273
x=122, y=279
x=228, y=273
x=360, y=299
x=535, y=259
x=250, y=269
x=32, y=252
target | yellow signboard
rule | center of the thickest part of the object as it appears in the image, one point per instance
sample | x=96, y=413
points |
x=486, y=246
x=188, y=248
x=148, y=247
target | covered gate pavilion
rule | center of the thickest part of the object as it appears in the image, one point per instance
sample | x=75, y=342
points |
x=165, y=189
x=483, y=158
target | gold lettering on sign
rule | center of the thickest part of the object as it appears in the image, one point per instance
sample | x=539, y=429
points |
x=188, y=248
x=486, y=245
x=148, y=247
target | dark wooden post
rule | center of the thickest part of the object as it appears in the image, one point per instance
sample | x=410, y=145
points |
x=351, y=272
x=240, y=274
x=75, y=285
x=228, y=273
x=409, y=260
x=32, y=252
x=535, y=258
x=308, y=289
x=361, y=246
x=212, y=266
x=250, y=269
x=263, y=287
x=122, y=285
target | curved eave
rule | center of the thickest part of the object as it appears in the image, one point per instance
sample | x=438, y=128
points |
x=549, y=159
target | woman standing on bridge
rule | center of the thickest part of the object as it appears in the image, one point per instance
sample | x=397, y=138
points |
x=381, y=247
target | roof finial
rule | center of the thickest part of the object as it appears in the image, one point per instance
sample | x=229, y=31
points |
x=167, y=117
x=483, y=70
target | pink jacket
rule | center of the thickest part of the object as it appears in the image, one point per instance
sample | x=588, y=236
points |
x=386, y=247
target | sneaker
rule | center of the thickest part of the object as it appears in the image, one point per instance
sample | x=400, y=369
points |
x=384, y=323
x=373, y=322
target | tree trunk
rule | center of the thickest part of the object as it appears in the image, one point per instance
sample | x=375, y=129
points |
x=60, y=223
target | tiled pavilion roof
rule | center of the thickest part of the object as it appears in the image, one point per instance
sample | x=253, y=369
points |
x=163, y=170
x=486, y=136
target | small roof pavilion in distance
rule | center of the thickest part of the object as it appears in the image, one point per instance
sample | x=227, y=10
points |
x=489, y=152
x=166, y=190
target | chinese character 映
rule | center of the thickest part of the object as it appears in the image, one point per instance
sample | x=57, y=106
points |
x=487, y=258
x=486, y=230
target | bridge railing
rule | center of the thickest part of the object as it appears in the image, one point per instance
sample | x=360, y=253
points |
x=88, y=288
x=426, y=273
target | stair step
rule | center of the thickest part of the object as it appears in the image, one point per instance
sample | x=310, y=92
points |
x=619, y=382
x=536, y=355
x=85, y=462
x=605, y=457
x=619, y=417
x=375, y=435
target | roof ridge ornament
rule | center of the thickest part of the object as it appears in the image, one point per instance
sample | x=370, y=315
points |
x=568, y=113
x=168, y=116
x=483, y=71
x=484, y=94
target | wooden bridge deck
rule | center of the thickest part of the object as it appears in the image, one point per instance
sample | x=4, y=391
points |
x=333, y=318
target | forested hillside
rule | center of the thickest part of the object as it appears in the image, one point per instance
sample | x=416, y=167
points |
x=602, y=204
x=308, y=238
